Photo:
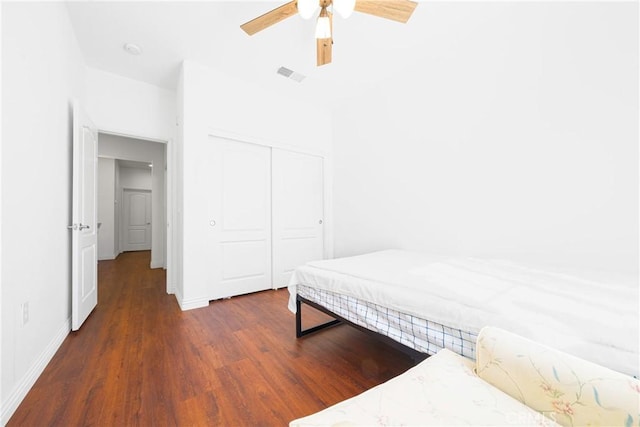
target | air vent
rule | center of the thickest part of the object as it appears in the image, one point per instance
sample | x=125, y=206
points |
x=290, y=74
x=283, y=71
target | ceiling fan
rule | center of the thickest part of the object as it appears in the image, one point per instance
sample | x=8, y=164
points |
x=397, y=10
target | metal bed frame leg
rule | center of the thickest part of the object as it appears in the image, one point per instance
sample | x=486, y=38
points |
x=299, y=331
x=415, y=355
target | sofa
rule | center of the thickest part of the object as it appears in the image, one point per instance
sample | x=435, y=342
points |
x=514, y=381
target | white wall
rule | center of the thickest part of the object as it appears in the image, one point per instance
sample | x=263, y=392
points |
x=127, y=107
x=42, y=70
x=211, y=101
x=135, y=178
x=175, y=157
x=130, y=107
x=2, y=406
x=116, y=222
x=520, y=140
x=106, y=208
x=118, y=147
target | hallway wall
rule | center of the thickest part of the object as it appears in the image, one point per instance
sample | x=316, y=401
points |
x=106, y=208
x=125, y=106
x=42, y=71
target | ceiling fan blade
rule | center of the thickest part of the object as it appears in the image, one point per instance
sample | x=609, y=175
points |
x=324, y=51
x=397, y=10
x=270, y=18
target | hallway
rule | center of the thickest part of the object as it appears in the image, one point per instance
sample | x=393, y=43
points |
x=139, y=360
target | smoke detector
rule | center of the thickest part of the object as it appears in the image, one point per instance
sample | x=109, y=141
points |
x=132, y=48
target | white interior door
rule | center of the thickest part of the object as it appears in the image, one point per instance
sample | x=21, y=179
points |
x=136, y=215
x=239, y=226
x=297, y=212
x=84, y=241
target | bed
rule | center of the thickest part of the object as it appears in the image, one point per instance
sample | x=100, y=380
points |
x=425, y=303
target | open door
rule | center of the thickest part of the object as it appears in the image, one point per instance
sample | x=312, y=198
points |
x=84, y=240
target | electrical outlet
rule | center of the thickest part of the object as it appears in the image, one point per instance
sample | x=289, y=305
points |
x=25, y=313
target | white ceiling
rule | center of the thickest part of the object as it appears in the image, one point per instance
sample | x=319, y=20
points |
x=366, y=49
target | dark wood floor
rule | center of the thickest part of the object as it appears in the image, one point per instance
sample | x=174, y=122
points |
x=139, y=360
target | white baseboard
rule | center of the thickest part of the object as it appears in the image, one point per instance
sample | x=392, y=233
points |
x=190, y=304
x=108, y=257
x=157, y=264
x=13, y=399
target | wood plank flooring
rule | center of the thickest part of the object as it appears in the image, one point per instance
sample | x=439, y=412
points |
x=139, y=360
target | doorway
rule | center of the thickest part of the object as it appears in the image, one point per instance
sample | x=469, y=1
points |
x=132, y=167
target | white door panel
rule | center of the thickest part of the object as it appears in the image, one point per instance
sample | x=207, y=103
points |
x=297, y=212
x=88, y=263
x=239, y=200
x=137, y=210
x=243, y=259
x=84, y=240
x=244, y=194
x=137, y=237
x=136, y=220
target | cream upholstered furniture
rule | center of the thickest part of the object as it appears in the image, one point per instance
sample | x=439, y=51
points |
x=514, y=381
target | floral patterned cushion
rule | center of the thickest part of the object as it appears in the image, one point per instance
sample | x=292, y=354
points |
x=568, y=390
x=441, y=391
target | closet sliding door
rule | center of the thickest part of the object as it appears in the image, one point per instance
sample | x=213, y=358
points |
x=239, y=202
x=298, y=211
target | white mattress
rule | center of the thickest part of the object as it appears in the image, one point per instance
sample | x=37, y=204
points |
x=594, y=320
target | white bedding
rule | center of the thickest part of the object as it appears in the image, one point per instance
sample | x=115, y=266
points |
x=593, y=320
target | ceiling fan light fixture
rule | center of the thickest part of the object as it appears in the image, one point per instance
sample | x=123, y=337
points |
x=323, y=26
x=344, y=7
x=307, y=8
x=395, y=10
